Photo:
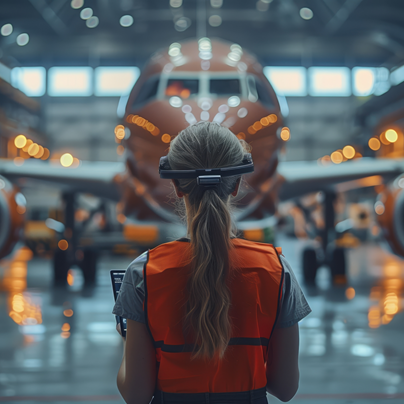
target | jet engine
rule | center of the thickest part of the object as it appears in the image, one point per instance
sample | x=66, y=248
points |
x=389, y=210
x=12, y=210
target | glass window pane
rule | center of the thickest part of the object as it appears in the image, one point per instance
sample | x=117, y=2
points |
x=225, y=86
x=397, y=76
x=70, y=81
x=382, y=80
x=287, y=80
x=263, y=94
x=30, y=80
x=147, y=91
x=329, y=81
x=182, y=88
x=115, y=81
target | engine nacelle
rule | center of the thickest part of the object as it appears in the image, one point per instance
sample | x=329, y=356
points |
x=389, y=210
x=12, y=210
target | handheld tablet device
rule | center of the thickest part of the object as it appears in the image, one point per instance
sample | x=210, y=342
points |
x=116, y=279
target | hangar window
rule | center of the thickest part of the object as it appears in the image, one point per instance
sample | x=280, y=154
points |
x=30, y=80
x=70, y=81
x=224, y=86
x=263, y=93
x=148, y=90
x=115, y=81
x=183, y=88
x=287, y=80
x=329, y=81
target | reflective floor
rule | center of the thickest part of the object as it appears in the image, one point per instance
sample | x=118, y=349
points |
x=61, y=346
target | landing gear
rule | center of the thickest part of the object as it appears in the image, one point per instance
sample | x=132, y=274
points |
x=89, y=267
x=310, y=265
x=60, y=267
x=337, y=263
x=328, y=253
x=67, y=253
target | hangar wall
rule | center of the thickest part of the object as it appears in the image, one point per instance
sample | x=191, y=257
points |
x=85, y=126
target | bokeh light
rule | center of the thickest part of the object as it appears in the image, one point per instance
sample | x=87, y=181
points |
x=63, y=245
x=66, y=160
x=76, y=4
x=22, y=39
x=33, y=149
x=374, y=143
x=215, y=20
x=379, y=208
x=337, y=157
x=6, y=29
x=86, y=13
x=285, y=134
x=306, y=13
x=350, y=293
x=92, y=22
x=391, y=135
x=348, y=152
x=20, y=141
x=68, y=312
x=126, y=21
x=166, y=138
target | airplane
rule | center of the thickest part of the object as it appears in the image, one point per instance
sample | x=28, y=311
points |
x=190, y=81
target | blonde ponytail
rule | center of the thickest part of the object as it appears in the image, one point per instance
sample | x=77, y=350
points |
x=208, y=145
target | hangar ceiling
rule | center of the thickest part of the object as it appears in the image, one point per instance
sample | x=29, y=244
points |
x=341, y=32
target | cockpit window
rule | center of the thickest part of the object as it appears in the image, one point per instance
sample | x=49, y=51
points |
x=224, y=86
x=263, y=94
x=148, y=90
x=182, y=88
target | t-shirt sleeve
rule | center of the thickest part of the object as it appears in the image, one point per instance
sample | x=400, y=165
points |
x=129, y=303
x=294, y=304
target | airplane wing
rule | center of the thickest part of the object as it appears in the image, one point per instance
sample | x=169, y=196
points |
x=96, y=178
x=306, y=177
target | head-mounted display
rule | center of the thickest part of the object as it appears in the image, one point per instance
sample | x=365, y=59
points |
x=206, y=177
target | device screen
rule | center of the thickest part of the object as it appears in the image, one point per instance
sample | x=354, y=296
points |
x=117, y=278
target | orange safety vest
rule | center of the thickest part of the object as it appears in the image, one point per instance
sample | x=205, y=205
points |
x=256, y=290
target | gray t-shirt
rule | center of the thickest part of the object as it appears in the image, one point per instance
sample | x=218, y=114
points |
x=129, y=304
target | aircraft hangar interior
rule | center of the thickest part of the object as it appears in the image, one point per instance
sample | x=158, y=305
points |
x=92, y=92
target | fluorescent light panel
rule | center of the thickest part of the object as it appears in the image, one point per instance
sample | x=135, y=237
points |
x=30, y=80
x=115, y=81
x=70, y=81
x=364, y=79
x=329, y=82
x=289, y=81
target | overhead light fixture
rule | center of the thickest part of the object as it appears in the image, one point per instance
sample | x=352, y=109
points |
x=215, y=20
x=262, y=6
x=216, y=3
x=86, y=13
x=306, y=13
x=22, y=39
x=76, y=4
x=126, y=21
x=175, y=3
x=6, y=29
x=182, y=24
x=174, y=49
x=92, y=22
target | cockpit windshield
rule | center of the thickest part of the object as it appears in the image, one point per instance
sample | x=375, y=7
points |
x=183, y=88
x=224, y=86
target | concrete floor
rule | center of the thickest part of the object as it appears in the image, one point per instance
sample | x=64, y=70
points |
x=352, y=344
